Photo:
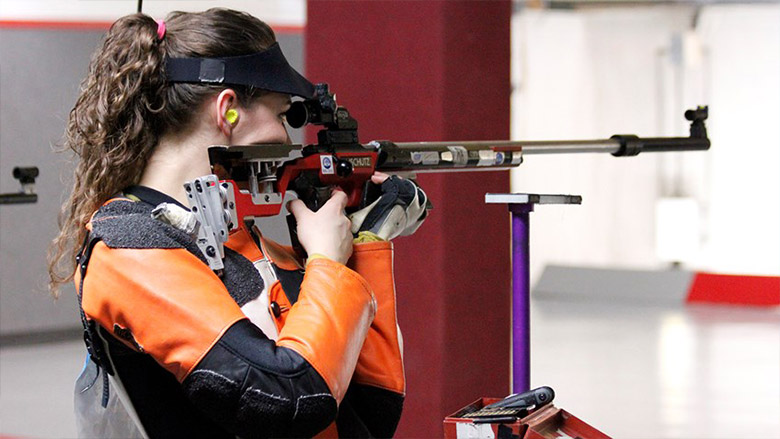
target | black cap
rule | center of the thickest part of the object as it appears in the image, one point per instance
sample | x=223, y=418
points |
x=266, y=70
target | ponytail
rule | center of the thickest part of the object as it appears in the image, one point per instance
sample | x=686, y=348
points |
x=112, y=130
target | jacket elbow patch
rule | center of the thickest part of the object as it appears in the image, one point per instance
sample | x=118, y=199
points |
x=305, y=417
x=254, y=413
x=261, y=391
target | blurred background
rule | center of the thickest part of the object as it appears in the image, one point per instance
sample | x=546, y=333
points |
x=636, y=66
x=625, y=350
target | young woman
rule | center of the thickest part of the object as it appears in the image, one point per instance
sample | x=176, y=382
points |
x=275, y=346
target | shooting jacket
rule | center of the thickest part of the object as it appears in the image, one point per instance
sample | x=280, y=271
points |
x=267, y=350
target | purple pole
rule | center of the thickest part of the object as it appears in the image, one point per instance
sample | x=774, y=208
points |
x=521, y=289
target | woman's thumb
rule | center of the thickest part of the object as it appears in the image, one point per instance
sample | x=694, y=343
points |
x=297, y=208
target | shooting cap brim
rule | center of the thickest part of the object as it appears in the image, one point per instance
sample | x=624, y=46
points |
x=266, y=70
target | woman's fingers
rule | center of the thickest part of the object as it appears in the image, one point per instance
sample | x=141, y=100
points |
x=379, y=177
x=338, y=200
x=326, y=231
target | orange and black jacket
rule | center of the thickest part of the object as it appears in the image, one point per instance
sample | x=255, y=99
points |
x=193, y=365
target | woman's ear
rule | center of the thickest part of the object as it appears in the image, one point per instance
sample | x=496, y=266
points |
x=226, y=101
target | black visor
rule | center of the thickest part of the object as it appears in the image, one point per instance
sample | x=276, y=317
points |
x=266, y=70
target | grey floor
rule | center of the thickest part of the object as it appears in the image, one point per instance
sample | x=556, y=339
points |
x=632, y=371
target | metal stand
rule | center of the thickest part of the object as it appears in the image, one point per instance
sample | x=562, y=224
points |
x=26, y=177
x=521, y=205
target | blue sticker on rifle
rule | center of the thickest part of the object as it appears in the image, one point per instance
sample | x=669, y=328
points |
x=326, y=164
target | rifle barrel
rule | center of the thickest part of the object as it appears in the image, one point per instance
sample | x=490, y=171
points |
x=528, y=147
x=615, y=145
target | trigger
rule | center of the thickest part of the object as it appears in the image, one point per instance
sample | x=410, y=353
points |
x=321, y=196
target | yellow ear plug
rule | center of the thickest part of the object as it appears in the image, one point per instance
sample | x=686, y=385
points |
x=231, y=116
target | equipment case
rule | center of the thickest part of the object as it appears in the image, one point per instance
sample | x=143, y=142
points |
x=546, y=422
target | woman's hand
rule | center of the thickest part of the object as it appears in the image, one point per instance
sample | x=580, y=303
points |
x=326, y=231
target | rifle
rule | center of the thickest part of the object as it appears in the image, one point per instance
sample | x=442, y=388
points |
x=255, y=178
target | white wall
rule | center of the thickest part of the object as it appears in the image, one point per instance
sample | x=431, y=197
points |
x=594, y=73
x=743, y=224
x=275, y=12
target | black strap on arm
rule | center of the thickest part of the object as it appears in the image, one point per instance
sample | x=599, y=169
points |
x=91, y=337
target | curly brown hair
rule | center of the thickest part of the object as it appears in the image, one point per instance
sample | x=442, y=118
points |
x=126, y=105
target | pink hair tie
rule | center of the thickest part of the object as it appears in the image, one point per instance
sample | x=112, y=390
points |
x=160, y=29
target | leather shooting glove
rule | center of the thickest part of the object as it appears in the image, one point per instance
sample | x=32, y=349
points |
x=399, y=211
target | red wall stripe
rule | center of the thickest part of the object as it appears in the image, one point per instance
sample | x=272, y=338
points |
x=55, y=25
x=434, y=70
x=105, y=25
x=733, y=289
